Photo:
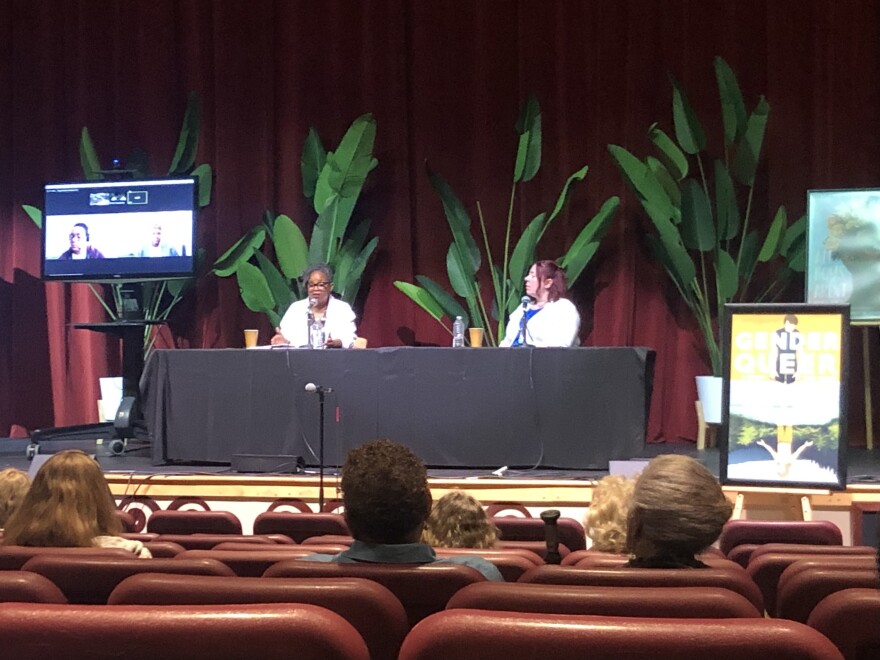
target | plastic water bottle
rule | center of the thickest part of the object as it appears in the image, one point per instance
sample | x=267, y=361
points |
x=458, y=332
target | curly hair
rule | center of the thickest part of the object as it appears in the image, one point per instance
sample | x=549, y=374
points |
x=677, y=509
x=14, y=485
x=68, y=505
x=459, y=521
x=385, y=491
x=605, y=520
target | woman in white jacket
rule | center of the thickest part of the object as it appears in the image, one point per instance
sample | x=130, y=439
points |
x=548, y=318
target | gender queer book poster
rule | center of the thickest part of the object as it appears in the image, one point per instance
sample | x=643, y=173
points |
x=785, y=395
x=843, y=250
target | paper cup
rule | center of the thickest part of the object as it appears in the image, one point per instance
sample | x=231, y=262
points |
x=476, y=337
x=250, y=338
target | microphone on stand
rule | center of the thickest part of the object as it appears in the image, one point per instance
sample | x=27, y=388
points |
x=321, y=391
x=522, y=324
x=313, y=301
x=311, y=388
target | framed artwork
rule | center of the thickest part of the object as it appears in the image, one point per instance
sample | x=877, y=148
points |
x=843, y=250
x=784, y=409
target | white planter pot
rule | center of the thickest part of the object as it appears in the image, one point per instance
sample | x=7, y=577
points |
x=709, y=392
x=111, y=397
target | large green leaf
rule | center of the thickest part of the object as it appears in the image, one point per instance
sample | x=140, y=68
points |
x=733, y=108
x=34, y=214
x=524, y=252
x=356, y=271
x=450, y=305
x=278, y=286
x=188, y=140
x=773, y=240
x=88, y=157
x=671, y=154
x=726, y=209
x=587, y=242
x=748, y=150
x=422, y=298
x=528, y=151
x=726, y=276
x=242, y=250
x=254, y=289
x=322, y=248
x=206, y=182
x=312, y=161
x=643, y=182
x=459, y=223
x=346, y=169
x=688, y=130
x=461, y=276
x=290, y=247
x=661, y=254
x=566, y=191
x=664, y=178
x=749, y=255
x=697, y=225
x=680, y=262
x=796, y=231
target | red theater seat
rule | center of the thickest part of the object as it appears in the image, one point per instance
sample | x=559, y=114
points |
x=481, y=635
x=90, y=580
x=13, y=557
x=537, y=547
x=608, y=560
x=816, y=532
x=800, y=594
x=163, y=549
x=571, y=532
x=147, y=632
x=300, y=526
x=208, y=541
x=669, y=602
x=252, y=563
x=422, y=589
x=194, y=522
x=843, y=618
x=511, y=563
x=736, y=581
x=27, y=587
x=374, y=611
x=766, y=568
x=504, y=509
x=575, y=558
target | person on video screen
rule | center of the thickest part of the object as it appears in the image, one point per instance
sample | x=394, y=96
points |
x=157, y=248
x=79, y=244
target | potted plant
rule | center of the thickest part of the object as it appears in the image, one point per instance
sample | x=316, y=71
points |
x=701, y=208
x=332, y=182
x=464, y=258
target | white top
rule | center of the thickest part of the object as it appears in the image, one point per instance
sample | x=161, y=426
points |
x=555, y=324
x=338, y=322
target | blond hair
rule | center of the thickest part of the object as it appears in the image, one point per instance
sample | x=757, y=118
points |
x=605, y=520
x=458, y=520
x=677, y=509
x=13, y=486
x=68, y=505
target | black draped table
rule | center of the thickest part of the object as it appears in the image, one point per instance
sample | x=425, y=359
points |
x=555, y=407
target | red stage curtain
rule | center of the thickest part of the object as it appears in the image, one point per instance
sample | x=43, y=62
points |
x=445, y=80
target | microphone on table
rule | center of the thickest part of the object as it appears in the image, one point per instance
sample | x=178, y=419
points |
x=311, y=388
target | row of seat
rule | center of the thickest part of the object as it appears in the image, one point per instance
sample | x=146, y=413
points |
x=305, y=630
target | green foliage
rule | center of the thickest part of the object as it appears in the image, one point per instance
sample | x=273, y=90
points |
x=745, y=431
x=464, y=258
x=159, y=296
x=701, y=219
x=332, y=182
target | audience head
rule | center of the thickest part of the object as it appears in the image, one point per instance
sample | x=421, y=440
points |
x=605, y=521
x=459, y=521
x=385, y=491
x=677, y=509
x=14, y=485
x=68, y=505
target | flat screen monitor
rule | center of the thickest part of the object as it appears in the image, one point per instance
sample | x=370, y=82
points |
x=119, y=231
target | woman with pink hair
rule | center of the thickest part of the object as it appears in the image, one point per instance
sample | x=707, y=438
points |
x=548, y=317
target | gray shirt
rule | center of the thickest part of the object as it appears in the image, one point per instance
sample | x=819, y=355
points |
x=406, y=553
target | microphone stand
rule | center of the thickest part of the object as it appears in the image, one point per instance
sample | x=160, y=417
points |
x=523, y=322
x=321, y=451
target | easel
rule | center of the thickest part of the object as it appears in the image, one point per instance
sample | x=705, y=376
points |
x=866, y=376
x=794, y=503
x=705, y=431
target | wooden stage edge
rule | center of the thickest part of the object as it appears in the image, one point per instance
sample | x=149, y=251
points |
x=530, y=492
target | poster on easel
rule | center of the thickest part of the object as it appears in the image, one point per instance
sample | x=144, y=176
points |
x=784, y=407
x=843, y=250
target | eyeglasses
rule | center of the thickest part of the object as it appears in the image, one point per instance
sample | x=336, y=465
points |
x=318, y=285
